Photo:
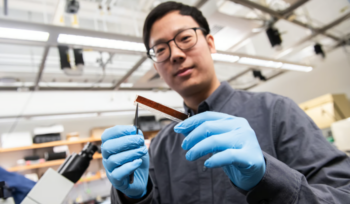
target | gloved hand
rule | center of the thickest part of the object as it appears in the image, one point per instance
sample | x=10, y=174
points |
x=233, y=142
x=123, y=153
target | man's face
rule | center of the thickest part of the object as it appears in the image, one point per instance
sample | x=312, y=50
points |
x=186, y=71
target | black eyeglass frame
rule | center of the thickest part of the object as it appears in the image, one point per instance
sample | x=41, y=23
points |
x=167, y=43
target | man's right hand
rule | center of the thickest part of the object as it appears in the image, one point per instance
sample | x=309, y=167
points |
x=124, y=152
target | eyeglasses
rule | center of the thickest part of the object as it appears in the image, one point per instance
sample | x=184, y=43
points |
x=184, y=40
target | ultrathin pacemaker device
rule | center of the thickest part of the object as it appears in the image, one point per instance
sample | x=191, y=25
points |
x=160, y=109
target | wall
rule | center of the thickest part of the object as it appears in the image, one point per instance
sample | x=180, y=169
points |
x=13, y=104
x=330, y=76
x=50, y=102
x=81, y=125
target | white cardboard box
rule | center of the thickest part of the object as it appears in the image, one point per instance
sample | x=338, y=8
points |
x=16, y=139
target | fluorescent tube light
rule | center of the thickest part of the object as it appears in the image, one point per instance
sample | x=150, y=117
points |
x=117, y=113
x=259, y=62
x=256, y=30
x=23, y=34
x=100, y=42
x=17, y=84
x=68, y=116
x=126, y=85
x=74, y=84
x=120, y=113
x=224, y=57
x=296, y=67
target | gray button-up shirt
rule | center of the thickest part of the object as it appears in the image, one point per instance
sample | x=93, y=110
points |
x=301, y=166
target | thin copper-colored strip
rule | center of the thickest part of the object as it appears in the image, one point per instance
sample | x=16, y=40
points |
x=161, y=108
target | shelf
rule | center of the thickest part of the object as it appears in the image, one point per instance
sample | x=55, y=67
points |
x=45, y=164
x=36, y=166
x=97, y=156
x=90, y=178
x=51, y=144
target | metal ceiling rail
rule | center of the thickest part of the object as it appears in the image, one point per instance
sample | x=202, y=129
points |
x=345, y=41
x=317, y=32
x=288, y=11
x=283, y=14
x=260, y=7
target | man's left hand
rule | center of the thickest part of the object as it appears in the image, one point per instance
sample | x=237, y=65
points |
x=232, y=141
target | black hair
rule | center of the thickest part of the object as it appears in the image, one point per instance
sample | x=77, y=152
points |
x=166, y=7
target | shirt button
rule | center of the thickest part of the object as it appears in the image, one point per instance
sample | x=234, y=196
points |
x=263, y=202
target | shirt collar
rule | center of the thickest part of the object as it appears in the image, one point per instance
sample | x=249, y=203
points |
x=215, y=101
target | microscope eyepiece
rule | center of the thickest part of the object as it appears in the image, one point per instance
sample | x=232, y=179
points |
x=89, y=150
x=76, y=164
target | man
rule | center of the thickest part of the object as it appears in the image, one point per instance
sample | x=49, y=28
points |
x=237, y=147
x=19, y=185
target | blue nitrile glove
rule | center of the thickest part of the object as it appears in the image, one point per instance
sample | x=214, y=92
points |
x=232, y=140
x=123, y=153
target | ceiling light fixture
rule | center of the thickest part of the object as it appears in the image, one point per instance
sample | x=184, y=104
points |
x=126, y=85
x=75, y=84
x=17, y=84
x=100, y=42
x=21, y=34
x=120, y=113
x=273, y=64
x=296, y=67
x=259, y=62
x=8, y=80
x=67, y=116
x=224, y=57
x=256, y=30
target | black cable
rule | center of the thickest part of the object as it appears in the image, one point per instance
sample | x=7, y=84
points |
x=100, y=80
x=103, y=66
